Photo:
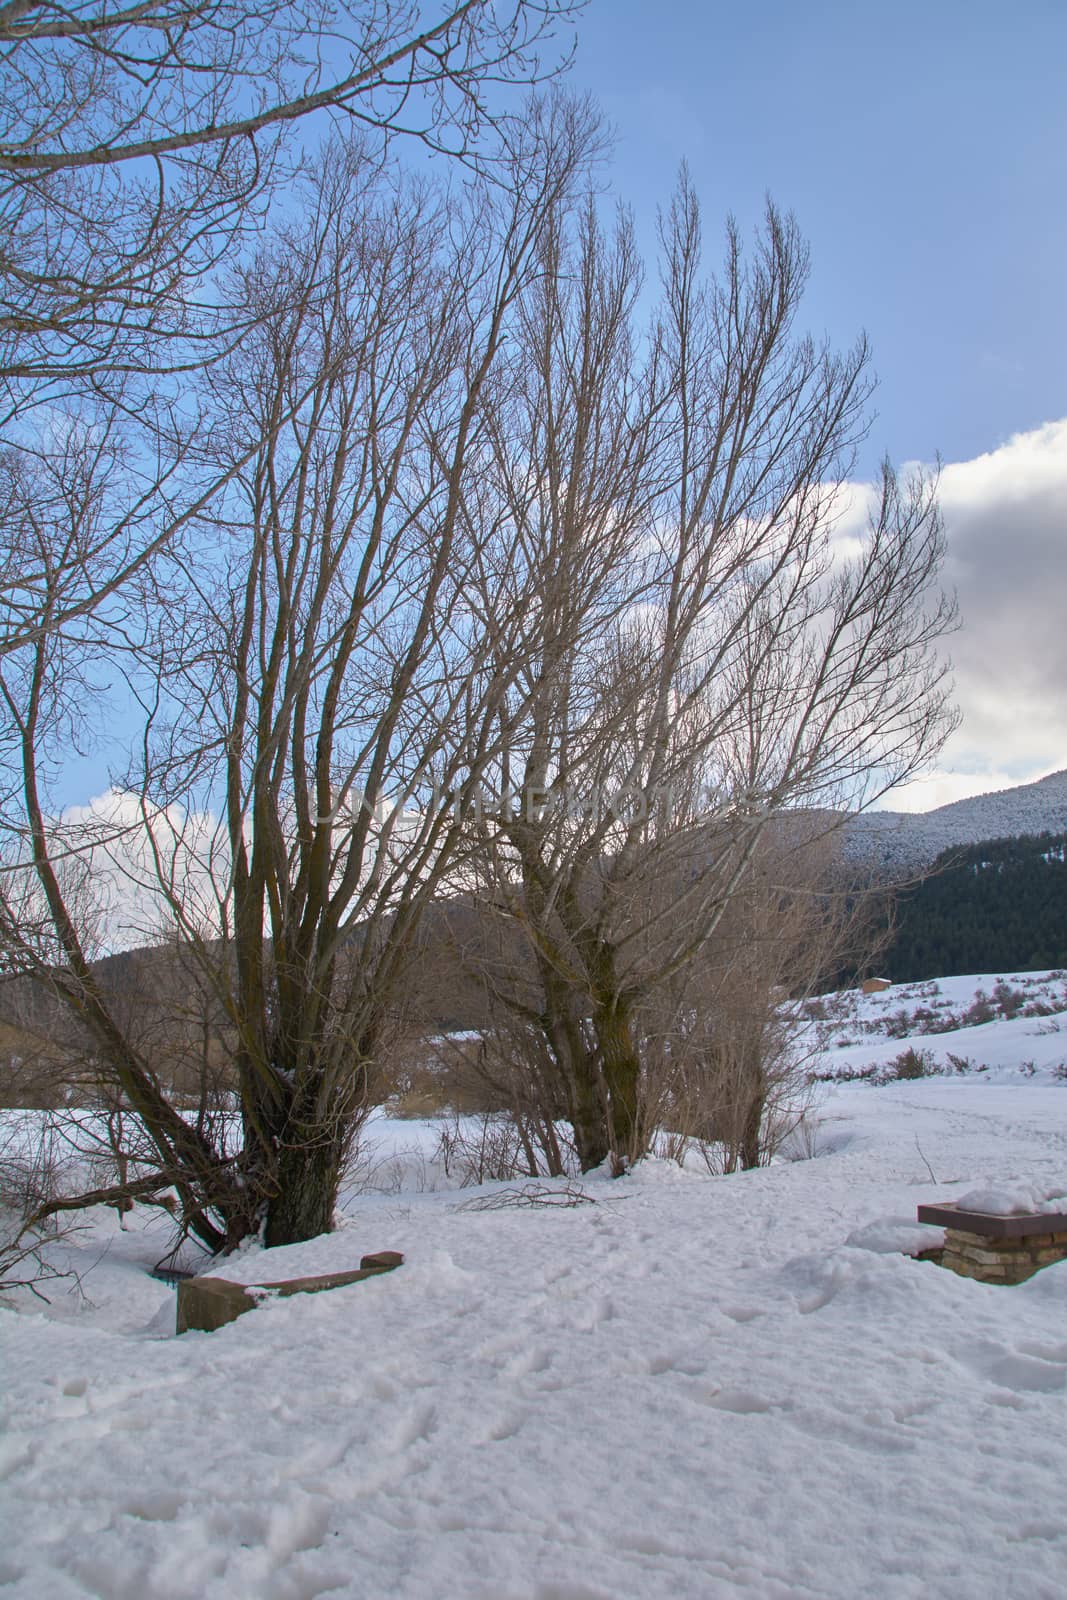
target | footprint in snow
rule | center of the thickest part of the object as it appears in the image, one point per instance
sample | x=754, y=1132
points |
x=600, y=1310
x=161, y=1505
x=1037, y=1530
x=418, y=1425
x=912, y=1411
x=870, y=1433
x=133, y=1422
x=384, y=1387
x=527, y=1362
x=494, y=1352
x=293, y=1525
x=1056, y=1353
x=300, y=1525
x=569, y=1591
x=743, y=1402
x=676, y=1361
x=238, y=1523
x=741, y=1313
x=1010, y=1370
x=17, y=1450
x=506, y=1426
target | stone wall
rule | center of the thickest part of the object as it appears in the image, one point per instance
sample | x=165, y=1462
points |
x=991, y=1260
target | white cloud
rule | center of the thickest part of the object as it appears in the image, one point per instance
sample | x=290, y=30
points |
x=941, y=788
x=1006, y=527
x=131, y=852
x=132, y=871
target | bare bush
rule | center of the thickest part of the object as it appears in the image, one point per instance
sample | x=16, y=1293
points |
x=912, y=1063
x=33, y=1165
x=492, y=1148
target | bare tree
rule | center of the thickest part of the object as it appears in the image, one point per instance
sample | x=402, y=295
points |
x=311, y=665
x=141, y=147
x=730, y=662
x=137, y=141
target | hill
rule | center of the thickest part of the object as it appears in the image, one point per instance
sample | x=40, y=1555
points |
x=997, y=905
x=904, y=841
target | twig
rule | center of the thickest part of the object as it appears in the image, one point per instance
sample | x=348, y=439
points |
x=926, y=1163
x=531, y=1194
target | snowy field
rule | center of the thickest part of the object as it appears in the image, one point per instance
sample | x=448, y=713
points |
x=685, y=1386
x=1000, y=1028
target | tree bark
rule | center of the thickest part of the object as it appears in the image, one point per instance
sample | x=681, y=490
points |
x=588, y=1118
x=751, y=1143
x=621, y=1068
x=308, y=1179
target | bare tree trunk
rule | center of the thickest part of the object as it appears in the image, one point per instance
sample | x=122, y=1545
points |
x=592, y=1133
x=755, y=1091
x=620, y=1065
x=307, y=1178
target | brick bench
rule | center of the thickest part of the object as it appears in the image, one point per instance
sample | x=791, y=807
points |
x=995, y=1249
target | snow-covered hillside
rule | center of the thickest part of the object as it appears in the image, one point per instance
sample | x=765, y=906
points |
x=902, y=839
x=675, y=1385
x=1002, y=1027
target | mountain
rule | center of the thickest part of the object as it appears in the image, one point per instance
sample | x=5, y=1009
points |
x=904, y=840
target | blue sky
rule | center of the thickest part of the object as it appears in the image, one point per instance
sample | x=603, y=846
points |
x=922, y=145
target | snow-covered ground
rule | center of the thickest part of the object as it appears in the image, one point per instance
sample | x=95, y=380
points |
x=685, y=1386
x=1001, y=1027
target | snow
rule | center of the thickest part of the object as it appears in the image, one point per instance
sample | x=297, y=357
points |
x=1022, y=1200
x=903, y=839
x=694, y=1386
x=858, y=1035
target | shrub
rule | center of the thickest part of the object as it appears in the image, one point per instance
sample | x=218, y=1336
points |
x=899, y=1025
x=1008, y=999
x=912, y=1063
x=980, y=1012
x=494, y=1147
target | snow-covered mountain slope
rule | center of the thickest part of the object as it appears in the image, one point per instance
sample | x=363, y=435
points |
x=902, y=839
